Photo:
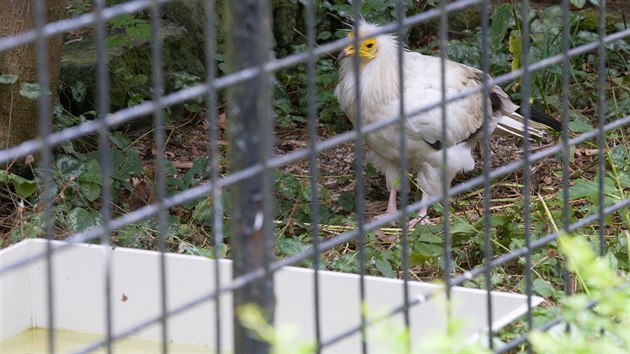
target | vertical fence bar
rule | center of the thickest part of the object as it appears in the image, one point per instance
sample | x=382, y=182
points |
x=443, y=35
x=360, y=183
x=404, y=181
x=250, y=122
x=158, y=139
x=215, y=168
x=525, y=111
x=312, y=129
x=45, y=120
x=566, y=65
x=487, y=192
x=601, y=113
x=103, y=107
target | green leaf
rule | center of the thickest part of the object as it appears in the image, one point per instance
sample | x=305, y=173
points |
x=584, y=188
x=345, y=263
x=427, y=249
x=120, y=140
x=122, y=20
x=79, y=219
x=79, y=91
x=515, y=47
x=288, y=185
x=347, y=200
x=8, y=79
x=542, y=288
x=69, y=167
x=290, y=246
x=324, y=35
x=23, y=187
x=141, y=31
x=91, y=191
x=580, y=126
x=500, y=24
x=385, y=267
x=130, y=166
x=463, y=229
x=431, y=238
x=30, y=91
x=207, y=252
x=416, y=259
x=578, y=3
x=620, y=157
x=115, y=40
x=203, y=212
x=89, y=180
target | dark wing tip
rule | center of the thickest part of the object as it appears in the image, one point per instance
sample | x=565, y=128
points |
x=543, y=118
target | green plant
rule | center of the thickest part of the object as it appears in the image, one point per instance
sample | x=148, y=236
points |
x=395, y=339
x=78, y=7
x=600, y=329
x=127, y=30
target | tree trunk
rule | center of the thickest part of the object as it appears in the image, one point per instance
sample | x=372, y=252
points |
x=19, y=118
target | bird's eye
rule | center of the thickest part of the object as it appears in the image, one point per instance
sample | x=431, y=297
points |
x=370, y=45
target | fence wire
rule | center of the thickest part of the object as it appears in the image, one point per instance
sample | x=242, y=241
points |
x=259, y=164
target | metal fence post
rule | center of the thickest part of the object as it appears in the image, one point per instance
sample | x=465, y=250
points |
x=250, y=128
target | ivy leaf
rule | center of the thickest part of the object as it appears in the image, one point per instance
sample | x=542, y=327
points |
x=79, y=91
x=500, y=23
x=30, y=91
x=290, y=246
x=79, y=219
x=8, y=79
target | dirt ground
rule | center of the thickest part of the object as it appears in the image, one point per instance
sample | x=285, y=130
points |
x=189, y=141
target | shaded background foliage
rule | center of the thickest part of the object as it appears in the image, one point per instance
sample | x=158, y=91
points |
x=76, y=170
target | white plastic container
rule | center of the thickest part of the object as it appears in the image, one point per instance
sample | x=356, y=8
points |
x=79, y=299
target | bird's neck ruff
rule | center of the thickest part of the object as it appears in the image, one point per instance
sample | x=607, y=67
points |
x=378, y=76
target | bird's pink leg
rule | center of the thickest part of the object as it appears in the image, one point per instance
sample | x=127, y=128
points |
x=391, y=205
x=423, y=217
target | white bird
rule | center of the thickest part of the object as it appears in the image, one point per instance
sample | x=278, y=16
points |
x=380, y=99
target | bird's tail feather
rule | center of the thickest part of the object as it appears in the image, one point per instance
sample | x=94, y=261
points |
x=539, y=124
x=543, y=118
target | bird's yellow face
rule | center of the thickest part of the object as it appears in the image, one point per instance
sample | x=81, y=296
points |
x=367, y=49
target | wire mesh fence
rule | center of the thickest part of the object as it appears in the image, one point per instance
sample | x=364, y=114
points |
x=247, y=87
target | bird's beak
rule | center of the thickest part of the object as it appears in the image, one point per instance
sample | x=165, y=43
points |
x=346, y=52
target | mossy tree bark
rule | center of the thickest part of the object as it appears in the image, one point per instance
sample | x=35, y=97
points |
x=19, y=116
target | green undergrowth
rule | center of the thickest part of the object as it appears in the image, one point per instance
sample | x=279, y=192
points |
x=76, y=171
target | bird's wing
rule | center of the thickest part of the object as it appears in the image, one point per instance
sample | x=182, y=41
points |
x=513, y=123
x=422, y=85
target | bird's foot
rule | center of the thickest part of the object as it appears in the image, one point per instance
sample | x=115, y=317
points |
x=383, y=216
x=420, y=220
